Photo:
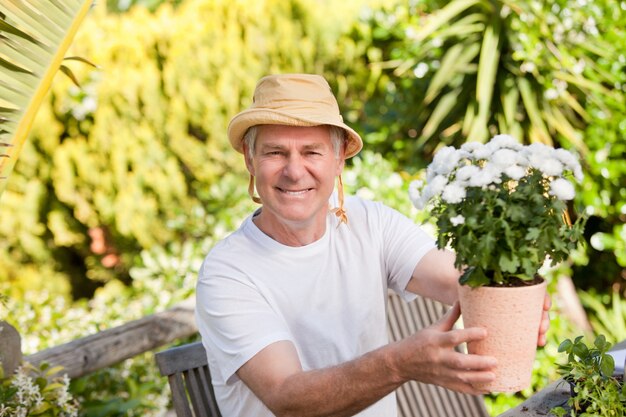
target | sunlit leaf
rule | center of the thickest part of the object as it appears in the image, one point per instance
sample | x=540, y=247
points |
x=485, y=84
x=443, y=16
x=36, y=36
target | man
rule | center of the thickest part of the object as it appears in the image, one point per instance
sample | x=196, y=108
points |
x=291, y=306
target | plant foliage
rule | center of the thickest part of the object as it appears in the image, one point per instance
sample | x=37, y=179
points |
x=589, y=371
x=501, y=207
x=37, y=391
x=35, y=37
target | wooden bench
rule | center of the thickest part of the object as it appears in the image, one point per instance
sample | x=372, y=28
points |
x=190, y=380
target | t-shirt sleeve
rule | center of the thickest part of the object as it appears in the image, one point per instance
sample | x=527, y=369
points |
x=234, y=319
x=404, y=245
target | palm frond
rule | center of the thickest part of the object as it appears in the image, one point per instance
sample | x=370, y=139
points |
x=34, y=37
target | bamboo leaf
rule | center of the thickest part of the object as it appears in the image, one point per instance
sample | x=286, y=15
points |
x=487, y=69
x=538, y=128
x=47, y=27
x=444, y=16
x=581, y=82
x=455, y=59
x=442, y=109
x=557, y=120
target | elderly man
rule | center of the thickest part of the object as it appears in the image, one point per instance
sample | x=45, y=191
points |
x=291, y=306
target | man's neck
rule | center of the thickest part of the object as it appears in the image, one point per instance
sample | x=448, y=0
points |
x=290, y=234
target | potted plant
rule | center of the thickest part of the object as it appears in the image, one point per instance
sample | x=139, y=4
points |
x=594, y=387
x=501, y=207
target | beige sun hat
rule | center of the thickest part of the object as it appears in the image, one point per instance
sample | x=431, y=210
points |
x=292, y=100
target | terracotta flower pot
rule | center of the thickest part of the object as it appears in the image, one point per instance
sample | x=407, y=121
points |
x=512, y=316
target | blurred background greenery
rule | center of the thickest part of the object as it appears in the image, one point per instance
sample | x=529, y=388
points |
x=126, y=182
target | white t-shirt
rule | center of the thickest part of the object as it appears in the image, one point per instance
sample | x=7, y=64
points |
x=328, y=297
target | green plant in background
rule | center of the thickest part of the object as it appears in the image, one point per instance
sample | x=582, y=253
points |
x=607, y=313
x=433, y=72
x=139, y=156
x=589, y=371
x=36, y=36
x=162, y=278
x=36, y=391
x=446, y=72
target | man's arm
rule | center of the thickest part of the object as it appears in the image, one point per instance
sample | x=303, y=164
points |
x=436, y=277
x=276, y=376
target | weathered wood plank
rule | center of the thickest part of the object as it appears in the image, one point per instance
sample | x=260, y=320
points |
x=10, y=348
x=106, y=348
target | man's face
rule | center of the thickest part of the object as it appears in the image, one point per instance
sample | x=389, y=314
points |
x=295, y=170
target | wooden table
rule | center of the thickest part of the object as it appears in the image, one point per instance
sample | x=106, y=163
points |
x=540, y=404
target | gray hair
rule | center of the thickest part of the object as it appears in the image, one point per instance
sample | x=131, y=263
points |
x=337, y=138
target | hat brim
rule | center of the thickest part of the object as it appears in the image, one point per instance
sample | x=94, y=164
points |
x=253, y=117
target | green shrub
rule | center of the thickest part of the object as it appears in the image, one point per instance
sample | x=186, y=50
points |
x=137, y=157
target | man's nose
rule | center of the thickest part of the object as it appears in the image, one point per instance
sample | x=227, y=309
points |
x=294, y=166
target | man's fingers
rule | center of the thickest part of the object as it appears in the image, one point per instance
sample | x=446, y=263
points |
x=446, y=322
x=547, y=302
x=467, y=362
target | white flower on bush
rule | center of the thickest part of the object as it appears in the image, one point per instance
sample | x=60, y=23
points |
x=562, y=189
x=457, y=220
x=453, y=193
x=35, y=390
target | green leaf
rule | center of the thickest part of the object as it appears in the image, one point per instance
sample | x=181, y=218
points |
x=509, y=263
x=607, y=365
x=34, y=60
x=474, y=277
x=487, y=70
x=580, y=350
x=533, y=233
x=443, y=16
x=566, y=346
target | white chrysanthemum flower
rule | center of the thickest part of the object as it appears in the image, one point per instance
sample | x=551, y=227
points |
x=538, y=150
x=570, y=161
x=515, y=172
x=470, y=147
x=505, y=141
x=465, y=173
x=522, y=160
x=453, y=193
x=551, y=167
x=562, y=189
x=437, y=185
x=415, y=193
x=457, y=220
x=483, y=152
x=504, y=157
x=489, y=174
x=445, y=160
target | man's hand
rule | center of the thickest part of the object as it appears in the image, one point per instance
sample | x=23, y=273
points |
x=276, y=376
x=429, y=356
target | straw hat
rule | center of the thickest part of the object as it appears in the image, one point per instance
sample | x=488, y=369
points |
x=292, y=100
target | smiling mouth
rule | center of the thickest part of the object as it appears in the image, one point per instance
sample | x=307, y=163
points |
x=294, y=192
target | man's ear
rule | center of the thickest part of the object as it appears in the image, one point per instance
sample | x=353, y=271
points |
x=246, y=156
x=342, y=160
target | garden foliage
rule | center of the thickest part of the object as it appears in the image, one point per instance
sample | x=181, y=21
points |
x=437, y=73
x=131, y=176
x=138, y=157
